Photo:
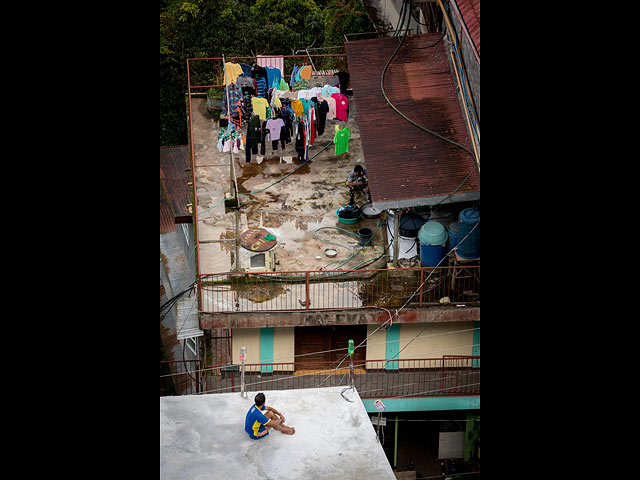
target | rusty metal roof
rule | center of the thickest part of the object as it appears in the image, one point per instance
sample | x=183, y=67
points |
x=470, y=12
x=174, y=176
x=407, y=166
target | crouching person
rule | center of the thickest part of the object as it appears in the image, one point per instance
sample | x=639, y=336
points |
x=262, y=418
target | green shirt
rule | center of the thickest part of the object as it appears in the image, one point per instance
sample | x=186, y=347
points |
x=341, y=139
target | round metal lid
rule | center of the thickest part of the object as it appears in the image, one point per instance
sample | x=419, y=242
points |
x=369, y=209
x=254, y=241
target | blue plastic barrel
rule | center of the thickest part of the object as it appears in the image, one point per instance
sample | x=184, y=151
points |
x=452, y=230
x=469, y=247
x=433, y=244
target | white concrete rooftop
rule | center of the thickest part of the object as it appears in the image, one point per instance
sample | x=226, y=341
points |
x=203, y=437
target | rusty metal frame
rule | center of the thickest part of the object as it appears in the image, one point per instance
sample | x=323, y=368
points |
x=190, y=92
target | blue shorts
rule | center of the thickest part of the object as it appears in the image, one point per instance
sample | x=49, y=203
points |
x=253, y=437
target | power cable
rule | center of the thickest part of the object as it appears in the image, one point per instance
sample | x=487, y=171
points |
x=218, y=367
x=358, y=365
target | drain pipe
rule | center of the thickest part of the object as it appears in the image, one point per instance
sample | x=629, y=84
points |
x=396, y=239
x=243, y=356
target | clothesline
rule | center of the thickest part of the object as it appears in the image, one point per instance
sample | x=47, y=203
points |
x=275, y=111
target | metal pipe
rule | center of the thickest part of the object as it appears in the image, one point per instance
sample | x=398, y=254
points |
x=396, y=240
x=395, y=445
x=195, y=196
x=243, y=356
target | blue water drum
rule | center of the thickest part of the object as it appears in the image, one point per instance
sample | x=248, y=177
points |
x=433, y=244
x=452, y=230
x=469, y=247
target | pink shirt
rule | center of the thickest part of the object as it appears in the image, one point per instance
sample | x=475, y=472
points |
x=341, y=106
x=331, y=102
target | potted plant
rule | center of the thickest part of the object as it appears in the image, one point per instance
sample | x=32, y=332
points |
x=214, y=100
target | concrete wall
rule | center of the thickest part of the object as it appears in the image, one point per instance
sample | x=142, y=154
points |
x=435, y=341
x=283, y=346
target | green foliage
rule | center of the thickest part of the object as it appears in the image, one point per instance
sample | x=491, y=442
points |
x=210, y=28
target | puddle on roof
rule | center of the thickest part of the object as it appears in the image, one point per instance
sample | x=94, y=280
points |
x=252, y=177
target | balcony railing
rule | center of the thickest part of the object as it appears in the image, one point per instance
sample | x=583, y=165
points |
x=431, y=377
x=340, y=289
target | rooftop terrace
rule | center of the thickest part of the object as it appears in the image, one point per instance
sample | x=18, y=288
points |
x=304, y=200
x=202, y=436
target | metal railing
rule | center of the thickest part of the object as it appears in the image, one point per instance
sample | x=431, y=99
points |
x=431, y=377
x=340, y=289
x=180, y=377
x=204, y=73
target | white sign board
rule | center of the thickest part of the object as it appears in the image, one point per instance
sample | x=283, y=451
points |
x=383, y=421
x=451, y=445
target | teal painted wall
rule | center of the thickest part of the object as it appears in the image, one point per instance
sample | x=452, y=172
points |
x=266, y=349
x=476, y=342
x=393, y=345
x=424, y=404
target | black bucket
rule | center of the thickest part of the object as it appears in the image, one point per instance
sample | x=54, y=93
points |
x=365, y=236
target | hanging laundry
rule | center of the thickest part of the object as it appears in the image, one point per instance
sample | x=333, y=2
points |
x=305, y=72
x=233, y=70
x=344, y=81
x=341, y=140
x=294, y=72
x=331, y=102
x=300, y=140
x=327, y=90
x=322, y=108
x=283, y=85
x=297, y=107
x=274, y=125
x=273, y=75
x=342, y=106
x=306, y=104
x=301, y=85
x=253, y=138
x=260, y=106
x=246, y=69
x=235, y=93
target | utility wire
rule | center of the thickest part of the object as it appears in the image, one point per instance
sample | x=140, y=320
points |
x=318, y=373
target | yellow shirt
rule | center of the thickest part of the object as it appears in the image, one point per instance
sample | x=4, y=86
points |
x=260, y=106
x=233, y=70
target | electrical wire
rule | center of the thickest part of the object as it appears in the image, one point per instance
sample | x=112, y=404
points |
x=396, y=313
x=218, y=367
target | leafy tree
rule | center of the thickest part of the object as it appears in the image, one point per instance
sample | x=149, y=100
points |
x=209, y=28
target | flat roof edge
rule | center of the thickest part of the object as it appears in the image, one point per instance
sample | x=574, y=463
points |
x=423, y=201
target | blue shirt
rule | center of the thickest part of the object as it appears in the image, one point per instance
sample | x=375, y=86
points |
x=255, y=422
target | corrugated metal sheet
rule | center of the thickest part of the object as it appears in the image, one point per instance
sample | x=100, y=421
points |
x=174, y=176
x=187, y=325
x=470, y=12
x=407, y=166
x=167, y=223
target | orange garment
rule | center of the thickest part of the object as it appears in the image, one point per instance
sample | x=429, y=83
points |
x=297, y=107
x=305, y=72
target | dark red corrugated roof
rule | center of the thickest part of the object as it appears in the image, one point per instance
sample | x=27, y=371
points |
x=175, y=194
x=470, y=12
x=407, y=166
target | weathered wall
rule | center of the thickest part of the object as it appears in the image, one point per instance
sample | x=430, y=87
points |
x=337, y=317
